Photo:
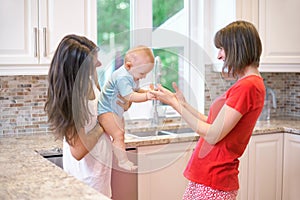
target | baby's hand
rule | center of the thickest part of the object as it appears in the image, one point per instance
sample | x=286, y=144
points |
x=151, y=86
x=150, y=96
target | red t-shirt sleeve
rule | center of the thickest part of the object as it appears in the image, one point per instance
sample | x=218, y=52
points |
x=239, y=98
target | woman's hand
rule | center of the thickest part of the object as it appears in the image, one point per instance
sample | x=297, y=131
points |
x=150, y=96
x=165, y=95
x=124, y=103
x=178, y=93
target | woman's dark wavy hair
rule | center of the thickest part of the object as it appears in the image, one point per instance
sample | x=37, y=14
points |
x=69, y=84
x=242, y=45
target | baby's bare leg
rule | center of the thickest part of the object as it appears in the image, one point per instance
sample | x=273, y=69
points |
x=113, y=125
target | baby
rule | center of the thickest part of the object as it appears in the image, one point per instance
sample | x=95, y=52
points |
x=138, y=62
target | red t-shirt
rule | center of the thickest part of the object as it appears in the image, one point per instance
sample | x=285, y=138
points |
x=216, y=165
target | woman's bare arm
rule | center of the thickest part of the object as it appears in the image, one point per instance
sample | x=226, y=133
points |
x=212, y=133
x=85, y=142
x=180, y=97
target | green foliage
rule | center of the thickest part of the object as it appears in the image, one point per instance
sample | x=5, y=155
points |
x=163, y=10
x=170, y=61
x=114, y=19
x=113, y=16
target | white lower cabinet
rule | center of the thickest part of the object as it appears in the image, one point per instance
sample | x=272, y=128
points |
x=265, y=167
x=160, y=170
x=291, y=167
x=260, y=175
x=269, y=168
x=243, y=176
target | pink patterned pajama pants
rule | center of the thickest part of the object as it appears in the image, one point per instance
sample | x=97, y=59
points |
x=195, y=191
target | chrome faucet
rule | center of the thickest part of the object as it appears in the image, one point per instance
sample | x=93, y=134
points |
x=269, y=98
x=271, y=92
x=156, y=77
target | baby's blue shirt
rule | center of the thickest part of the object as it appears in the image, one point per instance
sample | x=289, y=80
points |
x=120, y=82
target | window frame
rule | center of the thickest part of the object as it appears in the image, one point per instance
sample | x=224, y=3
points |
x=141, y=18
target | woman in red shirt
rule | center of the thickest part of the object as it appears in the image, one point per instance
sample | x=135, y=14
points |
x=213, y=168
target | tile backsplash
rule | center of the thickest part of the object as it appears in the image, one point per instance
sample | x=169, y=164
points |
x=22, y=99
x=285, y=85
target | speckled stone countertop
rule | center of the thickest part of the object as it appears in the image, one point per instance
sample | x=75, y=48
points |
x=279, y=125
x=24, y=174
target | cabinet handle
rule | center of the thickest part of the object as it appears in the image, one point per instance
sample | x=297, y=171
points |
x=35, y=30
x=45, y=41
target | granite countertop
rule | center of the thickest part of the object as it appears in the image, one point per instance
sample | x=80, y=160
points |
x=25, y=174
x=279, y=125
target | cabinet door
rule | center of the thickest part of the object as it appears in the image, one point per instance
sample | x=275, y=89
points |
x=19, y=30
x=58, y=18
x=124, y=183
x=32, y=29
x=161, y=171
x=278, y=30
x=243, y=175
x=291, y=172
x=265, y=167
x=277, y=22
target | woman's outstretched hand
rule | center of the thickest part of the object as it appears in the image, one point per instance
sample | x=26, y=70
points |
x=178, y=93
x=164, y=95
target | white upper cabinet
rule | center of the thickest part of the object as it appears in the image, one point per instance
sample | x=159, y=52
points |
x=58, y=18
x=32, y=29
x=277, y=22
x=19, y=30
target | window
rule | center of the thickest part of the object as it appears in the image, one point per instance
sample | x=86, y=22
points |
x=113, y=35
x=162, y=25
x=165, y=12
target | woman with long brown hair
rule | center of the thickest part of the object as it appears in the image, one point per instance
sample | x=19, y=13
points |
x=72, y=112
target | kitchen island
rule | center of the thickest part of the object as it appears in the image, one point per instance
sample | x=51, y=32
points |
x=25, y=174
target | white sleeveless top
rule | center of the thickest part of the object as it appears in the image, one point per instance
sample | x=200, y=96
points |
x=92, y=104
x=94, y=168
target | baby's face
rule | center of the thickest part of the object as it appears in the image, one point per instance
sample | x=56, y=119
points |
x=141, y=67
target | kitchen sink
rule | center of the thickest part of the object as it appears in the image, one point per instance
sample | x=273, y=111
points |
x=54, y=155
x=181, y=131
x=149, y=133
x=161, y=133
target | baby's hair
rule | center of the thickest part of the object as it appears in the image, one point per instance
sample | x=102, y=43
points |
x=131, y=53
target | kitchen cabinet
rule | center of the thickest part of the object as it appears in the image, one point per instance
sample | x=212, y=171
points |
x=265, y=167
x=243, y=175
x=291, y=166
x=276, y=21
x=160, y=170
x=124, y=183
x=32, y=29
x=269, y=168
x=260, y=175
